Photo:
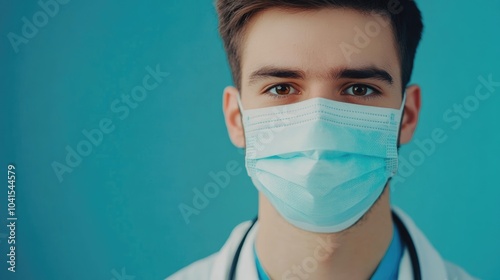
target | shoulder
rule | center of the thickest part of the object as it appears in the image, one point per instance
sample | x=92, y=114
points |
x=456, y=273
x=199, y=270
x=215, y=265
x=432, y=265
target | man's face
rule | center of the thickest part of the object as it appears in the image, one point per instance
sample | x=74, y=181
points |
x=290, y=56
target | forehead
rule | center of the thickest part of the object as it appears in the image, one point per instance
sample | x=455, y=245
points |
x=316, y=41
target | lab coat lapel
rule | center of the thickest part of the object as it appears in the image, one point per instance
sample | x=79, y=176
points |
x=431, y=264
x=405, y=270
x=246, y=265
x=246, y=268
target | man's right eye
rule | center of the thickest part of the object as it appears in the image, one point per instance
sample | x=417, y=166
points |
x=282, y=90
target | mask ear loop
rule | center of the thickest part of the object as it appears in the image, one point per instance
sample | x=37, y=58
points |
x=402, y=110
x=238, y=98
x=403, y=102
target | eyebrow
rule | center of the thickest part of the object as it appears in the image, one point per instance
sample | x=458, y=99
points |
x=366, y=73
x=343, y=73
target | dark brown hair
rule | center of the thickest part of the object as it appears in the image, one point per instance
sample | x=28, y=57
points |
x=405, y=18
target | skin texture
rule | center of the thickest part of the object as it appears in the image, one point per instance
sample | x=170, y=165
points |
x=307, y=44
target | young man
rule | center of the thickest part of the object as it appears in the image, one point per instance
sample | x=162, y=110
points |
x=321, y=104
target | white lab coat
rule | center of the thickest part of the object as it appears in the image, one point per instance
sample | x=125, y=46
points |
x=217, y=266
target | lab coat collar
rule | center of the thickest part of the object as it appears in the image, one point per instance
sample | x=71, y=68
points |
x=431, y=264
x=222, y=263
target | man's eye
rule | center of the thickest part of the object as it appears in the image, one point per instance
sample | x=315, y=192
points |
x=360, y=90
x=283, y=89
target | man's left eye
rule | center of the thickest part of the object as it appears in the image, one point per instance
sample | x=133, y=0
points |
x=360, y=90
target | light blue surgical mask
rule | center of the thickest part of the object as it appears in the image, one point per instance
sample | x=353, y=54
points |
x=321, y=163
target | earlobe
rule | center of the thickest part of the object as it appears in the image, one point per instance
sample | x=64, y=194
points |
x=232, y=116
x=411, y=112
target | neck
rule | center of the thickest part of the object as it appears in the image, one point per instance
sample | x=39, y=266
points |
x=287, y=252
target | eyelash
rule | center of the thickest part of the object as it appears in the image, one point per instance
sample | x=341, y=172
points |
x=277, y=96
x=376, y=93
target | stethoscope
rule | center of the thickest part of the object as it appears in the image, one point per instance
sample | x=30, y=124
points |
x=405, y=236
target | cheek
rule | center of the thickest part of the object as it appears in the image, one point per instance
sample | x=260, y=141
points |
x=250, y=97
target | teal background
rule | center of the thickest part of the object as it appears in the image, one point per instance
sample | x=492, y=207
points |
x=118, y=209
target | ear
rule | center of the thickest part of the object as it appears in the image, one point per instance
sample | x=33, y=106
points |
x=232, y=116
x=411, y=111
